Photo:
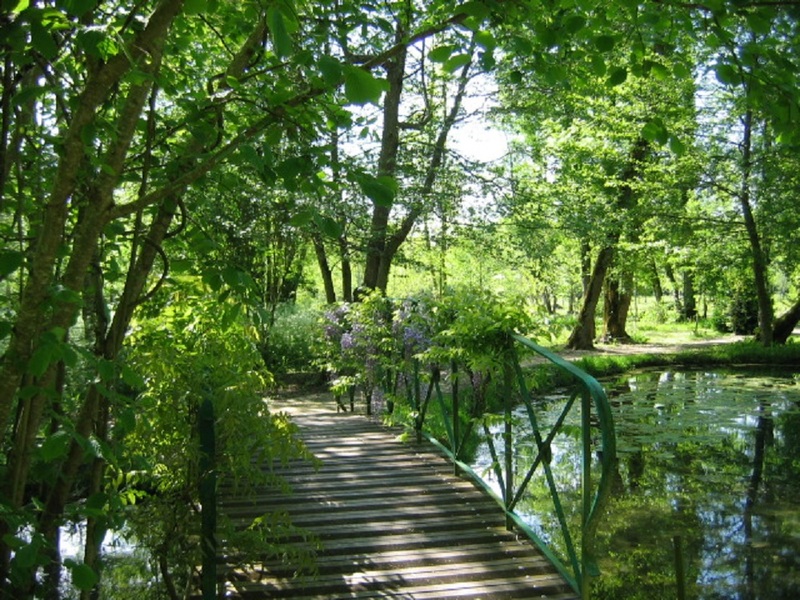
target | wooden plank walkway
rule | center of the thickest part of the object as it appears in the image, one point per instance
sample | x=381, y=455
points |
x=393, y=520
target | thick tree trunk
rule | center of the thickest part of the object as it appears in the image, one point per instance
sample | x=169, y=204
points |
x=786, y=323
x=615, y=311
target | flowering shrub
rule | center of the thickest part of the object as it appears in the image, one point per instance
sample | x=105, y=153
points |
x=371, y=343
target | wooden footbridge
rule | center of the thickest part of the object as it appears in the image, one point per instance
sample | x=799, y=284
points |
x=393, y=520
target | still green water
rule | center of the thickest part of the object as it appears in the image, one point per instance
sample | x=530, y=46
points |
x=711, y=457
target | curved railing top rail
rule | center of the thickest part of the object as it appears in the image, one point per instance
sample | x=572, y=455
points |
x=596, y=490
x=594, y=388
x=605, y=419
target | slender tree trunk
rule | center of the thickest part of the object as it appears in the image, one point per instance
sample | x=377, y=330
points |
x=347, y=270
x=583, y=334
x=658, y=291
x=760, y=268
x=324, y=267
x=389, y=244
x=586, y=265
x=676, y=292
x=376, y=270
x=689, y=311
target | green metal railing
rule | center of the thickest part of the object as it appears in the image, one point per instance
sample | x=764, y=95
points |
x=597, y=434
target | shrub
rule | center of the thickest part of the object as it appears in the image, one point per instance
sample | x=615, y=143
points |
x=290, y=344
x=744, y=310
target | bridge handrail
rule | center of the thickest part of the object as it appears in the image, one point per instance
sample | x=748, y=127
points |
x=582, y=564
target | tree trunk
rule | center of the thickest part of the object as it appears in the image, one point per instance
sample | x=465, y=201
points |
x=785, y=324
x=689, y=310
x=389, y=245
x=615, y=312
x=658, y=291
x=324, y=267
x=376, y=270
x=586, y=265
x=760, y=268
x=676, y=292
x=347, y=271
x=583, y=334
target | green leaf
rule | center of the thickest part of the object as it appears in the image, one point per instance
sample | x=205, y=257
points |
x=727, y=74
x=301, y=218
x=655, y=131
x=618, y=76
x=20, y=6
x=281, y=39
x=83, y=577
x=659, y=71
x=26, y=557
x=78, y=8
x=10, y=261
x=42, y=41
x=485, y=40
x=132, y=377
x=604, y=43
x=574, y=24
x=456, y=62
x=42, y=357
x=55, y=446
x=195, y=7
x=381, y=190
x=329, y=227
x=331, y=70
x=441, y=53
x=250, y=155
x=681, y=71
x=677, y=146
x=477, y=10
x=361, y=87
x=598, y=65
x=759, y=22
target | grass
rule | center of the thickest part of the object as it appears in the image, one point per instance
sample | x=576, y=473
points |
x=737, y=353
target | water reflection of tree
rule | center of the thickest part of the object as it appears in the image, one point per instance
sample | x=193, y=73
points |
x=763, y=436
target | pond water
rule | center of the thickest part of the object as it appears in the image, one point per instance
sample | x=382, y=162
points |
x=713, y=458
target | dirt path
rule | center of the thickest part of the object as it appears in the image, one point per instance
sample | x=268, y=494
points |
x=650, y=348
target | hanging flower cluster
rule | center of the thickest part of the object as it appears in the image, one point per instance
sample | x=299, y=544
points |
x=370, y=344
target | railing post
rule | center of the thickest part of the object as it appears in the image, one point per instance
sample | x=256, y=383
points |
x=508, y=439
x=208, y=499
x=456, y=432
x=417, y=403
x=587, y=540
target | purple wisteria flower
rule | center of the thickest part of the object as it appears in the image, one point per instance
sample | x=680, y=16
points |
x=348, y=342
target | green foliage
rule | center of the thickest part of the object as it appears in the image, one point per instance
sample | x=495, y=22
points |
x=290, y=343
x=473, y=327
x=189, y=352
